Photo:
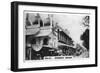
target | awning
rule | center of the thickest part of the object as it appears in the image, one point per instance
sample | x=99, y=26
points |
x=43, y=33
x=32, y=31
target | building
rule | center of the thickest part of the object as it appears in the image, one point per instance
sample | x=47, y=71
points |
x=45, y=38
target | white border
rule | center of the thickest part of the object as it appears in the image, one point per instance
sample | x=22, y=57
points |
x=31, y=64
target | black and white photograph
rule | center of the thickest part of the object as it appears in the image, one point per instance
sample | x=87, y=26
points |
x=52, y=36
x=56, y=36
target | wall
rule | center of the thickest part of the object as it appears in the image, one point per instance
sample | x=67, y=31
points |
x=5, y=17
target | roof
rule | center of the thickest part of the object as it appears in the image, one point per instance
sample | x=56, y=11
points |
x=65, y=31
x=62, y=44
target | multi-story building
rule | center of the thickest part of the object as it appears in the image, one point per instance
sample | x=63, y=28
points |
x=44, y=37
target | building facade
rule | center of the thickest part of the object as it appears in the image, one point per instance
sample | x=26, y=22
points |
x=45, y=38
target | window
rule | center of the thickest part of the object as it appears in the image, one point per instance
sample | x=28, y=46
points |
x=45, y=41
x=47, y=22
x=35, y=22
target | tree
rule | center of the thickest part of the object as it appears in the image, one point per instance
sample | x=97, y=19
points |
x=85, y=38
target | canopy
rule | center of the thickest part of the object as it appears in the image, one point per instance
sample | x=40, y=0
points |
x=43, y=33
x=32, y=31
